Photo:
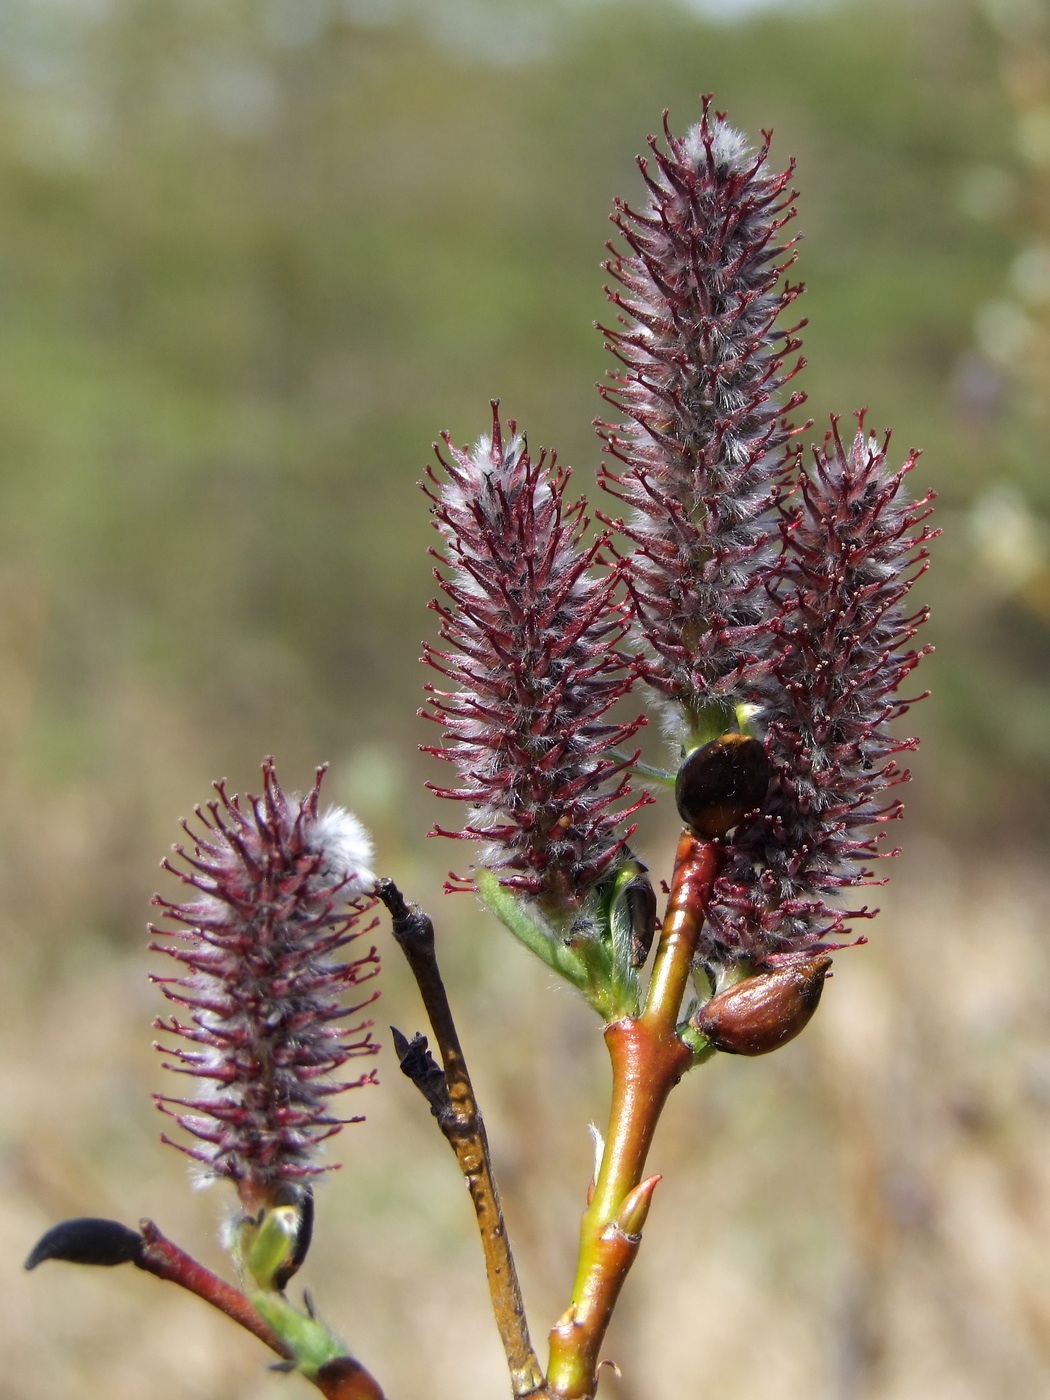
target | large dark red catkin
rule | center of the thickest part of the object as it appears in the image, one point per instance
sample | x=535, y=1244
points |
x=702, y=440
x=531, y=626
x=278, y=889
x=853, y=548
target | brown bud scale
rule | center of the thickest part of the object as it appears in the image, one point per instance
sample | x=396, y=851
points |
x=764, y=1012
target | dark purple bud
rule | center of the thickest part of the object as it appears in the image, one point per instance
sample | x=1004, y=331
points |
x=89, y=1240
x=764, y=1012
x=721, y=783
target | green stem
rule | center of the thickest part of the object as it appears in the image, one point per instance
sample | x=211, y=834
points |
x=658, y=775
x=648, y=1059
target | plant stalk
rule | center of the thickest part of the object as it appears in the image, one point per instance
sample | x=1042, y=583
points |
x=648, y=1059
x=341, y=1379
x=464, y=1128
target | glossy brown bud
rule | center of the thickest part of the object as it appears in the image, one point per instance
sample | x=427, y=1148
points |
x=720, y=783
x=764, y=1012
x=346, y=1377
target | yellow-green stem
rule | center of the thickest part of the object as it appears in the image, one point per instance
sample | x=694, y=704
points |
x=648, y=1059
x=464, y=1130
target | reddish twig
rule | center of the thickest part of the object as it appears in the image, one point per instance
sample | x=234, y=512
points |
x=165, y=1259
x=648, y=1059
x=341, y=1379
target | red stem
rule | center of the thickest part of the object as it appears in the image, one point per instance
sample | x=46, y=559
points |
x=165, y=1259
x=341, y=1379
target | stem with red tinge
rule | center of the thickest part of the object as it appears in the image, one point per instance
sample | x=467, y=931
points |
x=648, y=1059
x=166, y=1260
x=341, y=1379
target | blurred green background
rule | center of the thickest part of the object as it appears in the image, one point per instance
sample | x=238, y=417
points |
x=254, y=256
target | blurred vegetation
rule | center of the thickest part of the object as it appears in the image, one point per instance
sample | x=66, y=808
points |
x=253, y=257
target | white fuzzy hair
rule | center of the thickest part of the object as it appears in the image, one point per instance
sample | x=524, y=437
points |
x=347, y=850
x=728, y=146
